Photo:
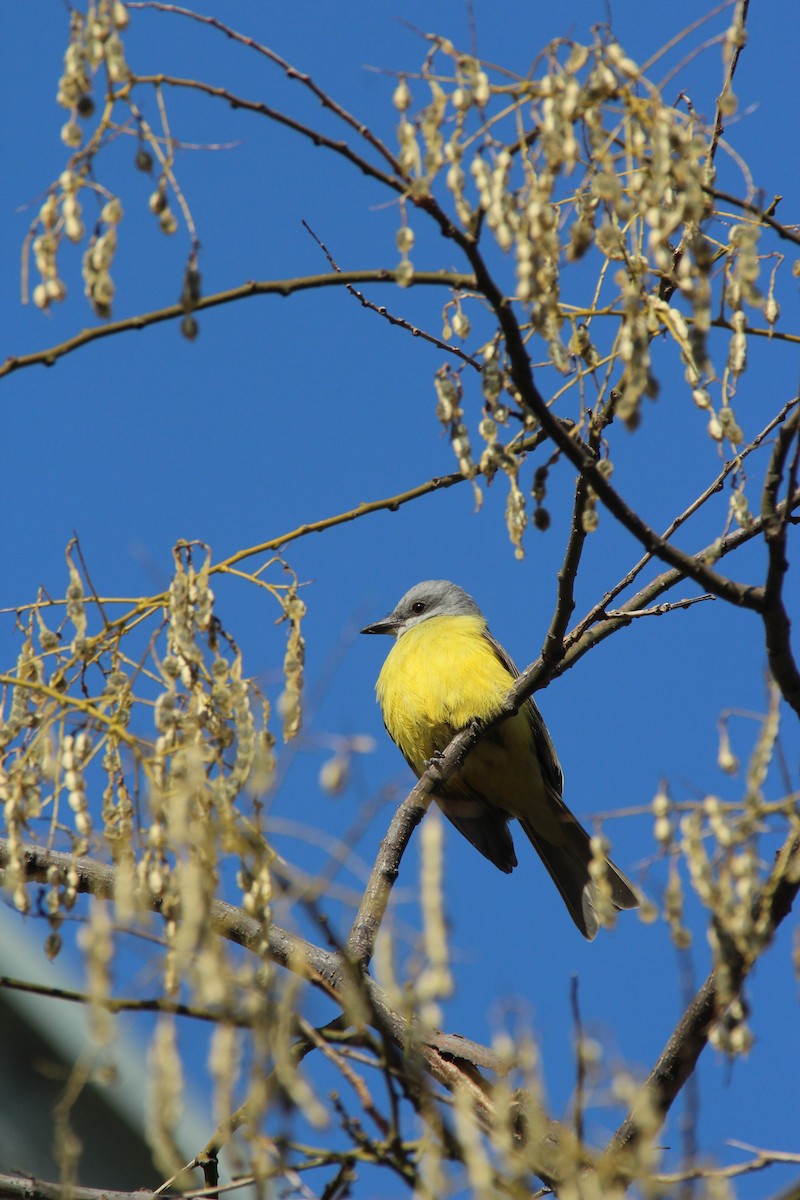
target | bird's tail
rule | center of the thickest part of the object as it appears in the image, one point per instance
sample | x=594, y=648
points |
x=567, y=859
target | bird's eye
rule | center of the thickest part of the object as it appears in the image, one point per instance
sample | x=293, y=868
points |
x=418, y=607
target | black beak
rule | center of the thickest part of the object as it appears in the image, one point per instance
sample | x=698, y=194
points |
x=387, y=625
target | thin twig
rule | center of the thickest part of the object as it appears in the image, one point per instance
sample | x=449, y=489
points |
x=761, y=1160
x=733, y=62
x=657, y=610
x=553, y=647
x=398, y=322
x=113, y=1005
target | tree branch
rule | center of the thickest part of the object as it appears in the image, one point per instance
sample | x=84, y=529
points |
x=291, y=72
x=324, y=969
x=95, y=878
x=733, y=62
x=777, y=625
x=394, y=182
x=268, y=287
x=113, y=1005
x=384, y=873
x=553, y=646
x=586, y=635
x=397, y=322
x=23, y=1187
x=690, y=1037
x=786, y=232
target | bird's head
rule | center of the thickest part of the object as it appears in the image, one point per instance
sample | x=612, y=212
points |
x=432, y=598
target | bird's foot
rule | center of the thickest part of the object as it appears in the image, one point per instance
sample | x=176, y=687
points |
x=433, y=763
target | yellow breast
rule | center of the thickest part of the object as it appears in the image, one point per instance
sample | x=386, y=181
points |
x=439, y=675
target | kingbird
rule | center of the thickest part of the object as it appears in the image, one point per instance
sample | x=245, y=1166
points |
x=444, y=671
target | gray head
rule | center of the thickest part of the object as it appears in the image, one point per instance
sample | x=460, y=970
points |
x=433, y=598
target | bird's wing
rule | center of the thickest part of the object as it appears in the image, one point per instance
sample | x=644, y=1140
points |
x=560, y=840
x=543, y=743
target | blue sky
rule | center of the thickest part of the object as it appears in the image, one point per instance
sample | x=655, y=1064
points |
x=284, y=411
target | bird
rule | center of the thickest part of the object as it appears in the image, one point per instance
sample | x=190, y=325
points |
x=444, y=672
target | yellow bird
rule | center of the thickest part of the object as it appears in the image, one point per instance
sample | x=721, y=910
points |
x=444, y=671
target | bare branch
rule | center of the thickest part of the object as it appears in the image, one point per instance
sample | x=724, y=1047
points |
x=553, y=647
x=270, y=287
x=361, y=939
x=658, y=610
x=291, y=72
x=788, y=233
x=761, y=1159
x=274, y=114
